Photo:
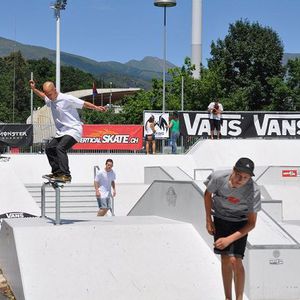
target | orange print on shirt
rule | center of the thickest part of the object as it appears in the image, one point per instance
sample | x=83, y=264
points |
x=233, y=200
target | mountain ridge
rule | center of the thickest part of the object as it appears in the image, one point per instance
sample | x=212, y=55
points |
x=138, y=73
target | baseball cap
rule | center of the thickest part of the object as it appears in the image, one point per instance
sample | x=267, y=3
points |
x=245, y=165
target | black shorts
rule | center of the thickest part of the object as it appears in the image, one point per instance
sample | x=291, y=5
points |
x=215, y=124
x=225, y=228
x=150, y=137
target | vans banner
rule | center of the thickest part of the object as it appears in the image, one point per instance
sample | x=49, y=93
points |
x=243, y=125
x=16, y=135
x=111, y=137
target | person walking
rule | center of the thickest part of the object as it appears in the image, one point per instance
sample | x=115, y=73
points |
x=215, y=109
x=68, y=127
x=174, y=127
x=150, y=135
x=104, y=182
x=232, y=200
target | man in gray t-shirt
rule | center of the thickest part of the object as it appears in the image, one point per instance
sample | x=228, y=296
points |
x=233, y=199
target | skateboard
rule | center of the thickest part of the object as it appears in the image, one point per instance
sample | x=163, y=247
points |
x=54, y=181
x=4, y=158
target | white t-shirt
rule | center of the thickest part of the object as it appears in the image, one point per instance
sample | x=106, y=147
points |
x=104, y=179
x=214, y=116
x=148, y=129
x=65, y=115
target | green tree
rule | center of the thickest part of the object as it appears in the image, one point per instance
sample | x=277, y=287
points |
x=246, y=60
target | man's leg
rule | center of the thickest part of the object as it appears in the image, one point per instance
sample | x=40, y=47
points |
x=227, y=275
x=239, y=277
x=103, y=204
x=64, y=144
x=52, y=156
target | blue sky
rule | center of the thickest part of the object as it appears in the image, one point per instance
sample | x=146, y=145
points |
x=121, y=30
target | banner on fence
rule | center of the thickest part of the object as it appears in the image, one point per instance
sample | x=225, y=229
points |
x=243, y=124
x=16, y=135
x=161, y=121
x=111, y=137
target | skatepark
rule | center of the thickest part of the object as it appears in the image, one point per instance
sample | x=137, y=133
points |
x=156, y=246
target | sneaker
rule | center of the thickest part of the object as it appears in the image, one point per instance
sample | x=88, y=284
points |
x=50, y=175
x=64, y=178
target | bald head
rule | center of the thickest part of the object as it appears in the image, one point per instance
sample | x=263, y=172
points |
x=50, y=90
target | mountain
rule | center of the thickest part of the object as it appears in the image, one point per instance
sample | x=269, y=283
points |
x=288, y=56
x=133, y=73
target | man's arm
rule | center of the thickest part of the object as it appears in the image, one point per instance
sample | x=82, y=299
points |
x=208, y=206
x=97, y=185
x=35, y=90
x=113, y=185
x=222, y=243
x=92, y=106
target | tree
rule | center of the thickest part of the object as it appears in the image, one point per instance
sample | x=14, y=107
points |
x=246, y=60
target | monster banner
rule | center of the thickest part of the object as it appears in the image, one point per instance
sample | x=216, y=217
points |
x=243, y=125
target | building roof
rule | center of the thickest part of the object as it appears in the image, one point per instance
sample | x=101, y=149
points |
x=103, y=96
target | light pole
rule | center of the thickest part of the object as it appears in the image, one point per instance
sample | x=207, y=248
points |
x=110, y=95
x=58, y=6
x=164, y=4
x=196, y=37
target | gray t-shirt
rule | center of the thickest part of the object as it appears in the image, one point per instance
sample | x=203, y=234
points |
x=232, y=204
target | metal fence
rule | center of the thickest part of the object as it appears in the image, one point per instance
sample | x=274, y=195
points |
x=44, y=133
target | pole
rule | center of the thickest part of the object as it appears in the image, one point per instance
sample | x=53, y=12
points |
x=31, y=106
x=57, y=205
x=182, y=92
x=43, y=200
x=164, y=60
x=57, y=12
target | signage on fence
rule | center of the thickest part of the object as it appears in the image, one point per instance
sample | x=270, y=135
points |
x=161, y=121
x=243, y=124
x=111, y=137
x=16, y=135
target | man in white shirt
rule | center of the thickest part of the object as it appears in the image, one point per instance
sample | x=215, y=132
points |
x=68, y=127
x=215, y=109
x=103, y=183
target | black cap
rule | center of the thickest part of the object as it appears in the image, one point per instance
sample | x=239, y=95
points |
x=245, y=165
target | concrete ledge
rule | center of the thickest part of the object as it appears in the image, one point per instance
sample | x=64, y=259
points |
x=109, y=258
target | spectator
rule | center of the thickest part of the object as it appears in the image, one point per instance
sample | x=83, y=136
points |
x=103, y=183
x=174, y=127
x=150, y=135
x=215, y=109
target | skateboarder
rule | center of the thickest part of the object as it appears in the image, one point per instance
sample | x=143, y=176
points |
x=104, y=182
x=68, y=127
x=233, y=199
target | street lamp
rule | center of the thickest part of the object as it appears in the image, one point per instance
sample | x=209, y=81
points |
x=164, y=4
x=58, y=6
x=110, y=95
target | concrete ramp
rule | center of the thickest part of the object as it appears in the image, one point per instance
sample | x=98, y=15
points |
x=287, y=198
x=120, y=258
x=15, y=199
x=179, y=200
x=165, y=173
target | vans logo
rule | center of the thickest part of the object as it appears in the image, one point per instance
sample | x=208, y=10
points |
x=243, y=124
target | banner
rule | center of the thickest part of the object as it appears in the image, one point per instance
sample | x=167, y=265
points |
x=111, y=137
x=161, y=121
x=16, y=135
x=243, y=124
